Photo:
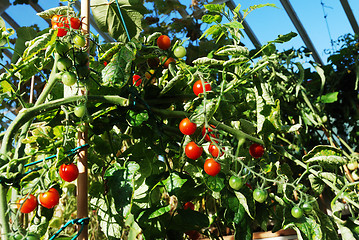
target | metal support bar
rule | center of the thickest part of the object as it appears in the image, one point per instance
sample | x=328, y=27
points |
x=38, y=9
x=247, y=29
x=10, y=21
x=105, y=36
x=350, y=16
x=7, y=53
x=301, y=30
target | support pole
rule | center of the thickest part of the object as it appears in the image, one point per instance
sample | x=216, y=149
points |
x=82, y=180
x=350, y=15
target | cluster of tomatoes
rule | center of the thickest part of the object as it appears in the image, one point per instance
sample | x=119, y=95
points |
x=63, y=24
x=164, y=43
x=50, y=198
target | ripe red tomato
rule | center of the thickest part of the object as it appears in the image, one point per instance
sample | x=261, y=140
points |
x=198, y=87
x=214, y=151
x=75, y=23
x=193, y=151
x=212, y=167
x=166, y=63
x=187, y=127
x=28, y=204
x=68, y=172
x=188, y=205
x=61, y=28
x=256, y=150
x=136, y=80
x=208, y=136
x=164, y=42
x=50, y=198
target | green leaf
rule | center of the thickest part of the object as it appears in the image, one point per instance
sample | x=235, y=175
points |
x=216, y=183
x=171, y=83
x=234, y=24
x=135, y=119
x=24, y=34
x=186, y=220
x=346, y=233
x=316, y=184
x=327, y=226
x=108, y=17
x=118, y=71
x=328, y=98
x=160, y=211
x=174, y=182
x=207, y=61
x=327, y=156
x=38, y=44
x=243, y=201
x=214, y=30
x=284, y=38
x=205, y=109
x=236, y=61
x=211, y=18
x=215, y=7
x=49, y=13
x=6, y=87
x=232, y=50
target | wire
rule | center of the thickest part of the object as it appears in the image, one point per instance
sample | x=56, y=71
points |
x=78, y=221
x=123, y=21
x=327, y=23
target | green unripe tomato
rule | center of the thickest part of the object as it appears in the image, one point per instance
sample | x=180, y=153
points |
x=80, y=111
x=355, y=175
x=180, y=52
x=236, y=182
x=260, y=195
x=307, y=207
x=81, y=58
x=297, y=212
x=61, y=48
x=69, y=78
x=63, y=64
x=79, y=41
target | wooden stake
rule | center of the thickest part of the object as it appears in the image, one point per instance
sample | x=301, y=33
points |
x=82, y=180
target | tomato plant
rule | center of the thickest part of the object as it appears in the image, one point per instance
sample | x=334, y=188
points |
x=75, y=23
x=205, y=133
x=297, y=212
x=164, y=42
x=79, y=41
x=214, y=151
x=198, y=87
x=180, y=52
x=256, y=150
x=187, y=127
x=188, y=205
x=27, y=204
x=260, y=195
x=212, y=167
x=68, y=172
x=50, y=198
x=68, y=78
x=136, y=80
x=307, y=207
x=236, y=182
x=193, y=151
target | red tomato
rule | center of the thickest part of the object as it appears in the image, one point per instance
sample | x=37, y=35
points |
x=164, y=42
x=75, y=23
x=211, y=167
x=136, y=80
x=256, y=150
x=61, y=29
x=193, y=151
x=105, y=63
x=166, y=63
x=187, y=127
x=188, y=205
x=198, y=87
x=68, y=172
x=50, y=198
x=214, y=151
x=28, y=204
x=208, y=136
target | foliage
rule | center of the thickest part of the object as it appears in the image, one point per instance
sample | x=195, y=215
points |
x=140, y=178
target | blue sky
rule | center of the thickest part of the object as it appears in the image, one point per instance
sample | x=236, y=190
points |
x=267, y=23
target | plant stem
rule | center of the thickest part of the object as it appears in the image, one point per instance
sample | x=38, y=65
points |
x=4, y=217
